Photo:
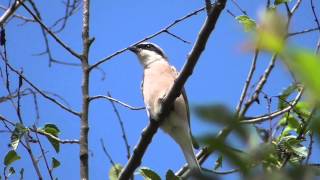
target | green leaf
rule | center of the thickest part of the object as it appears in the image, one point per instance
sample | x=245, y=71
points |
x=11, y=157
x=55, y=163
x=291, y=123
x=277, y=2
x=306, y=66
x=114, y=172
x=248, y=23
x=54, y=131
x=17, y=133
x=301, y=151
x=303, y=108
x=285, y=94
x=171, y=176
x=149, y=174
x=218, y=163
x=215, y=113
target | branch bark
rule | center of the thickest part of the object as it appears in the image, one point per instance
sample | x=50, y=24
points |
x=10, y=11
x=175, y=90
x=84, y=131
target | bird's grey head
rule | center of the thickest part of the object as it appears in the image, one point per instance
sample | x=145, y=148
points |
x=148, y=53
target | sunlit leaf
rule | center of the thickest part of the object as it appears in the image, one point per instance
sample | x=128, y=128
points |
x=290, y=123
x=277, y=2
x=54, y=131
x=248, y=23
x=55, y=163
x=303, y=108
x=149, y=174
x=114, y=172
x=285, y=94
x=306, y=66
x=11, y=157
x=171, y=176
x=16, y=135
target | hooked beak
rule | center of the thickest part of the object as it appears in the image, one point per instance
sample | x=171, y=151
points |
x=134, y=49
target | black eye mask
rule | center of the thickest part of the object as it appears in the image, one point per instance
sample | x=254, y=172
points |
x=151, y=47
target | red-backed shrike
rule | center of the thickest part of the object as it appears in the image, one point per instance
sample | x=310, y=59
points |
x=158, y=77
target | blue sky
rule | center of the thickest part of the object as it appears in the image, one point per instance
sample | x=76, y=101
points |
x=218, y=77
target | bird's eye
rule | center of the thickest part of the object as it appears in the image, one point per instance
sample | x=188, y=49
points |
x=148, y=46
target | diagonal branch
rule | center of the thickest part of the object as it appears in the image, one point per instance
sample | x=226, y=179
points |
x=111, y=99
x=174, y=91
x=52, y=34
x=43, y=93
x=10, y=11
x=164, y=30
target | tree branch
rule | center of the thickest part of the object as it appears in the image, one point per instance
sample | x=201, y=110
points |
x=117, y=101
x=174, y=91
x=103, y=60
x=84, y=130
x=10, y=11
x=53, y=35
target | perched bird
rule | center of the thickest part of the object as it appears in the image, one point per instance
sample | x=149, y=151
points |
x=158, y=77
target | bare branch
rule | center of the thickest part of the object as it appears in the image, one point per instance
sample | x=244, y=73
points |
x=316, y=19
x=103, y=60
x=84, y=130
x=44, y=155
x=260, y=85
x=107, y=153
x=124, y=135
x=65, y=141
x=239, y=7
x=15, y=15
x=117, y=101
x=303, y=31
x=248, y=80
x=272, y=115
x=177, y=37
x=10, y=11
x=43, y=93
x=53, y=35
x=174, y=91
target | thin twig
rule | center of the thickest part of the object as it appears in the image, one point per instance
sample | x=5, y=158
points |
x=117, y=101
x=177, y=37
x=42, y=93
x=316, y=19
x=103, y=60
x=18, y=16
x=259, y=87
x=248, y=81
x=239, y=7
x=107, y=153
x=303, y=31
x=10, y=11
x=52, y=34
x=124, y=135
x=44, y=155
x=272, y=115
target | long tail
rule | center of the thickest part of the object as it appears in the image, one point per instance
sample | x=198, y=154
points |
x=183, y=138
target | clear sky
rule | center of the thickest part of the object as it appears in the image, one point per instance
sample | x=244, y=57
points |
x=218, y=77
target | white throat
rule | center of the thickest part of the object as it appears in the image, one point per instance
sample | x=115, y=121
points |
x=147, y=58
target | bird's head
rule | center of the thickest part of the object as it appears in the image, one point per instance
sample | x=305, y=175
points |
x=148, y=53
